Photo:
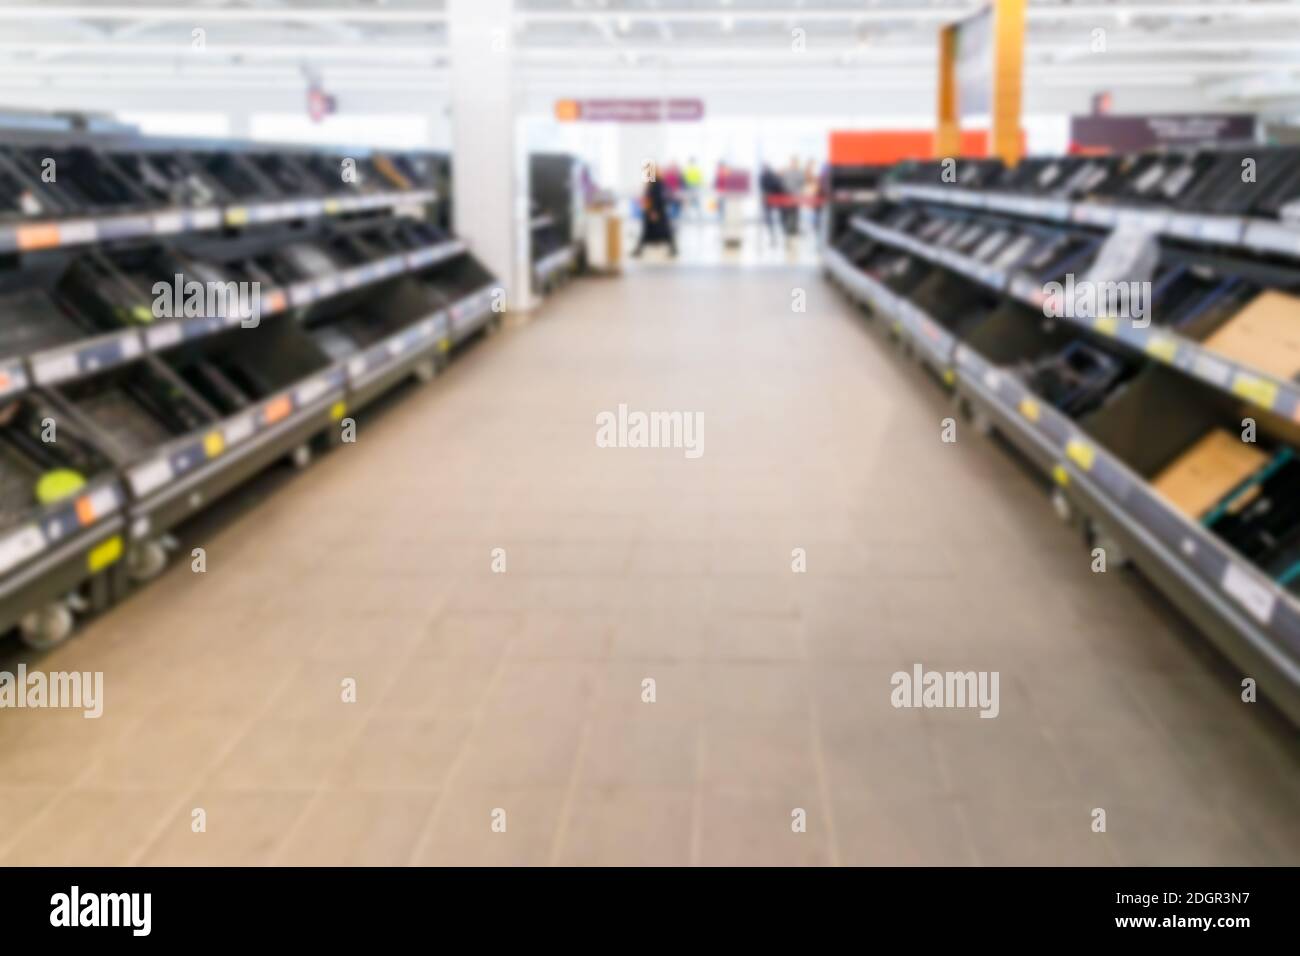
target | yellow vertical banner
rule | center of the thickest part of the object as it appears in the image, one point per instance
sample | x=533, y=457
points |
x=1008, y=73
x=947, y=136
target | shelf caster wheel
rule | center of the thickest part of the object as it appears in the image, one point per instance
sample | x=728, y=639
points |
x=301, y=456
x=1116, y=557
x=146, y=561
x=1061, y=505
x=47, y=627
x=426, y=370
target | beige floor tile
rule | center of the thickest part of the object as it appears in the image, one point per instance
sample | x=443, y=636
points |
x=358, y=829
x=439, y=687
x=1024, y=833
x=748, y=828
x=163, y=754
x=398, y=753
x=19, y=807
x=627, y=827
x=90, y=828
x=521, y=752
x=919, y=831
x=651, y=751
x=491, y=827
x=757, y=754
x=277, y=753
x=242, y=828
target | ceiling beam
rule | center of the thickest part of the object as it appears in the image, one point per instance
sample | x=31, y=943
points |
x=190, y=14
x=914, y=14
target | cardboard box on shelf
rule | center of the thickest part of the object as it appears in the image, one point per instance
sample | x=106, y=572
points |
x=1199, y=478
x=1265, y=335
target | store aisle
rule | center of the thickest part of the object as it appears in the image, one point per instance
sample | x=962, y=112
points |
x=516, y=701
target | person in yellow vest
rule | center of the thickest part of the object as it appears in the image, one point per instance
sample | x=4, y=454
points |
x=693, y=176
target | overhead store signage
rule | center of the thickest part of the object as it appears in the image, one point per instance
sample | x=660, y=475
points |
x=1125, y=134
x=630, y=111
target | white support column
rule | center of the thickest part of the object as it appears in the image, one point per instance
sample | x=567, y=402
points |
x=486, y=188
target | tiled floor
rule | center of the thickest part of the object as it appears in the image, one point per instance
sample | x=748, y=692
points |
x=518, y=698
x=700, y=243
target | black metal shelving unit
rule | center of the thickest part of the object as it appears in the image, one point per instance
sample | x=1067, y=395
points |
x=967, y=274
x=556, y=210
x=159, y=402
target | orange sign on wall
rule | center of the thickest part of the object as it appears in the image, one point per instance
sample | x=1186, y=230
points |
x=887, y=146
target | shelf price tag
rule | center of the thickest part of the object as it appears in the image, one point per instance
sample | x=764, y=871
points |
x=40, y=235
x=163, y=336
x=77, y=232
x=277, y=409
x=308, y=392
x=1081, y=453
x=150, y=476
x=1255, y=389
x=47, y=369
x=166, y=223
x=96, y=504
x=1029, y=409
x=1255, y=596
x=20, y=545
x=1162, y=347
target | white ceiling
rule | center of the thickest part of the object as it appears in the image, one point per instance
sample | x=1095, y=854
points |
x=390, y=55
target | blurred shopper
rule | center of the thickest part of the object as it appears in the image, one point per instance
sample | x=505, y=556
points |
x=694, y=177
x=721, y=186
x=816, y=182
x=794, y=187
x=771, y=186
x=672, y=177
x=656, y=227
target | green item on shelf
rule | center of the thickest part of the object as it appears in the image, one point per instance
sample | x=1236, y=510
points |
x=142, y=314
x=58, y=484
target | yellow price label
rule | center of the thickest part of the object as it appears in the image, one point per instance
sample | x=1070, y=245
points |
x=103, y=554
x=338, y=410
x=237, y=216
x=1029, y=408
x=949, y=376
x=1061, y=476
x=214, y=443
x=332, y=207
x=1254, y=389
x=1081, y=453
x=1163, y=348
x=1107, y=325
